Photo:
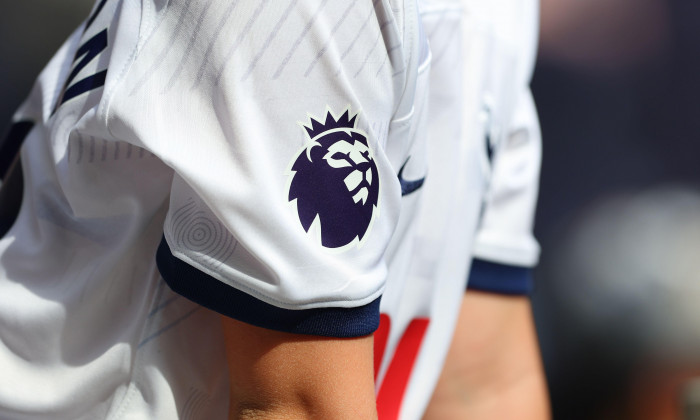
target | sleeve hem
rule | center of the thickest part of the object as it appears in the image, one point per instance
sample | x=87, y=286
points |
x=211, y=293
x=487, y=276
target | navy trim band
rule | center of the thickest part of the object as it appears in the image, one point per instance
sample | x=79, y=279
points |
x=486, y=276
x=226, y=300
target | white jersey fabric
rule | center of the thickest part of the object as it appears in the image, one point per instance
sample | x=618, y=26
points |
x=479, y=196
x=506, y=32
x=268, y=161
x=246, y=152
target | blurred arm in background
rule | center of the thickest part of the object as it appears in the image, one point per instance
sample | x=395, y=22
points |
x=494, y=369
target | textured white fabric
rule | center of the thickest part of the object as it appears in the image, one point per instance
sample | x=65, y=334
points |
x=509, y=29
x=229, y=119
x=482, y=60
x=194, y=134
x=506, y=232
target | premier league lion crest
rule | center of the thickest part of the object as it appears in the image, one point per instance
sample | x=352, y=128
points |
x=335, y=181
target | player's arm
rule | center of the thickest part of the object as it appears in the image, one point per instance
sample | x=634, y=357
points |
x=264, y=225
x=277, y=375
x=493, y=369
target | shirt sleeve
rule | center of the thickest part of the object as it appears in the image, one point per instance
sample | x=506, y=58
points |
x=505, y=248
x=505, y=234
x=276, y=122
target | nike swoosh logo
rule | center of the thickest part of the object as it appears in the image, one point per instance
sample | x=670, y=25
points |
x=489, y=148
x=409, y=187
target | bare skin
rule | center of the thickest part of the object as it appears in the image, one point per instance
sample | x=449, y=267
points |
x=283, y=376
x=493, y=369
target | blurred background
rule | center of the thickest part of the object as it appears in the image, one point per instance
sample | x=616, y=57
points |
x=617, y=301
x=618, y=292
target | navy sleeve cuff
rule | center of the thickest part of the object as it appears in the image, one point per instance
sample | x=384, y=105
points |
x=229, y=301
x=503, y=279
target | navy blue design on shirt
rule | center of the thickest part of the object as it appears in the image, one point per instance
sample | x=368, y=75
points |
x=489, y=147
x=209, y=292
x=487, y=276
x=487, y=137
x=408, y=187
x=88, y=51
x=335, y=179
x=97, y=11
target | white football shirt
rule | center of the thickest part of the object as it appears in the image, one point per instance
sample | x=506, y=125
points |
x=479, y=195
x=271, y=159
x=247, y=153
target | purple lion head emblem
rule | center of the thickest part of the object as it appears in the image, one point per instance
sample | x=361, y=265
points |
x=335, y=179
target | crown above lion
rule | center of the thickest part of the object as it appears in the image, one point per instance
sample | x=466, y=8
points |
x=317, y=128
